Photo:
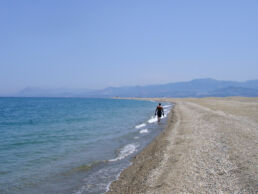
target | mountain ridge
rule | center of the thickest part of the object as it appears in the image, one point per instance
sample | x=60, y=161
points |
x=204, y=87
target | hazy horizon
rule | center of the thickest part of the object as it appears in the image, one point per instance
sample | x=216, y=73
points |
x=72, y=90
x=64, y=87
x=99, y=44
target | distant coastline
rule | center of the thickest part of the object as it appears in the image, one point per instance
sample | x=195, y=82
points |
x=195, y=88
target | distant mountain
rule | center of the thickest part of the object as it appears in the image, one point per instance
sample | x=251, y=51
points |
x=194, y=88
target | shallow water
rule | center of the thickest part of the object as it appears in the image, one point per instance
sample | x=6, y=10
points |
x=70, y=145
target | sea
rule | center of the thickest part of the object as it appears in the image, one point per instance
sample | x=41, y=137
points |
x=71, y=145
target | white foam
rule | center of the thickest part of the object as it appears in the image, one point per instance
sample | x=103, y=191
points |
x=167, y=106
x=136, y=137
x=167, y=110
x=140, y=126
x=144, y=131
x=117, y=177
x=124, y=152
x=108, y=185
x=153, y=120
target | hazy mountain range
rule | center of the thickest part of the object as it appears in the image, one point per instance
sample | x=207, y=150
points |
x=195, y=88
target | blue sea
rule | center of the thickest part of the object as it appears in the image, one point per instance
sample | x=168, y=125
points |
x=71, y=145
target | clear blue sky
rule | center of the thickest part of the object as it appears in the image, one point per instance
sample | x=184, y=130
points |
x=94, y=44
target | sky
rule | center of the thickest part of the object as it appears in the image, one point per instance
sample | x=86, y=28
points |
x=99, y=43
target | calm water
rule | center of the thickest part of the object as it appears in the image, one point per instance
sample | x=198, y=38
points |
x=70, y=145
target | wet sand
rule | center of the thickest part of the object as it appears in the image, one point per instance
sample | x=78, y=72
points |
x=210, y=145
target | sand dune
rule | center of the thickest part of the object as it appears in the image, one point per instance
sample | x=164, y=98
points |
x=210, y=145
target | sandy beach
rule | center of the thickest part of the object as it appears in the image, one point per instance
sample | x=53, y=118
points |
x=210, y=145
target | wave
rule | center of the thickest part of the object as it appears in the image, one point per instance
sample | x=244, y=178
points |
x=117, y=177
x=125, y=151
x=155, y=119
x=152, y=120
x=140, y=126
x=144, y=131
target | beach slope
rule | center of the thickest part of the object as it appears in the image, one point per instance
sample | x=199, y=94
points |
x=210, y=145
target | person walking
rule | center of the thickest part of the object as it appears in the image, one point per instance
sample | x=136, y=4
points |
x=159, y=111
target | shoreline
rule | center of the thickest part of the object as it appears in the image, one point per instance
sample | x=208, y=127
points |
x=208, y=146
x=127, y=181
